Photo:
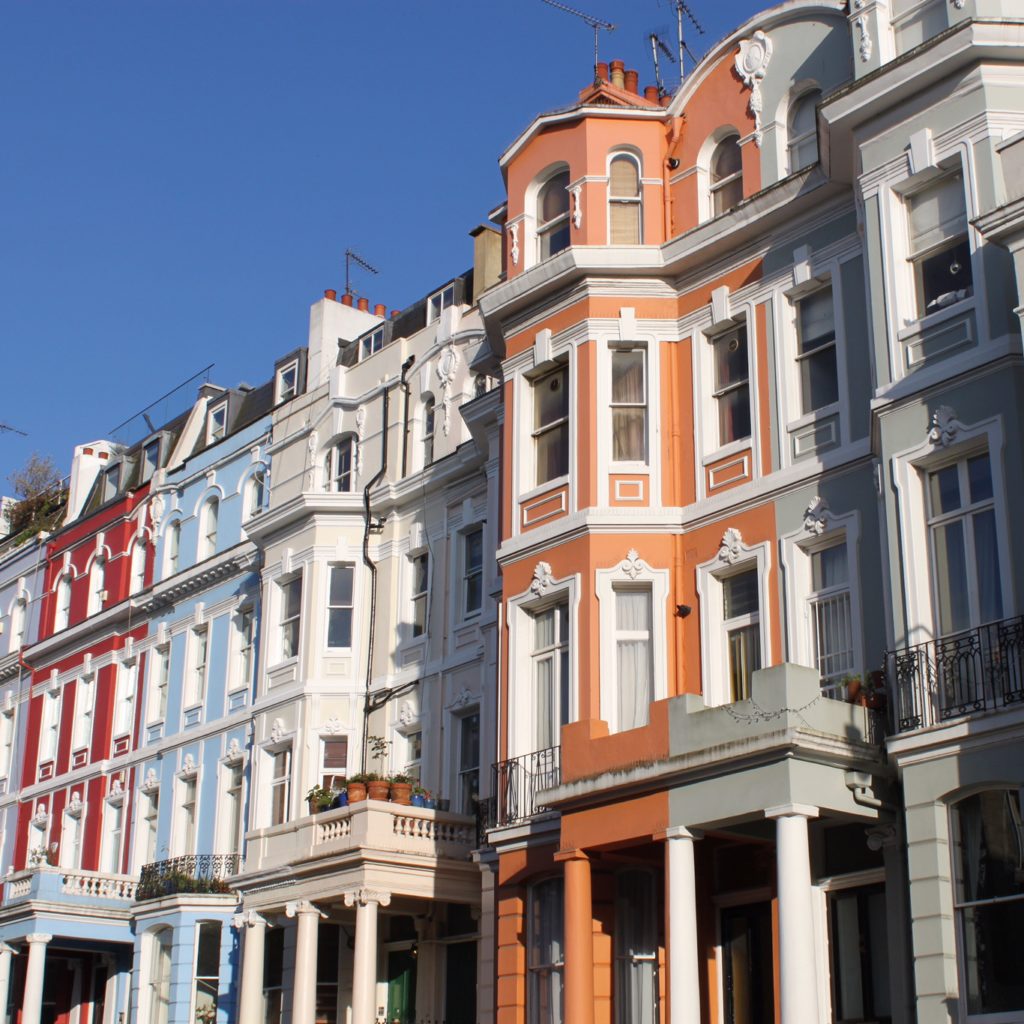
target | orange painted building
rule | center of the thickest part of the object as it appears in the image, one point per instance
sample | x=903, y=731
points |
x=673, y=767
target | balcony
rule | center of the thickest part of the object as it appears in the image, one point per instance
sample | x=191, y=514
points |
x=70, y=887
x=968, y=673
x=518, y=783
x=205, y=873
x=347, y=834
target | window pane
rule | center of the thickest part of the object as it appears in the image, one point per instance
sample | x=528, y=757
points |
x=802, y=118
x=995, y=982
x=554, y=199
x=944, y=278
x=629, y=434
x=292, y=597
x=625, y=177
x=817, y=320
x=727, y=159
x=341, y=584
x=208, y=953
x=819, y=382
x=937, y=212
x=979, y=476
x=624, y=221
x=986, y=560
x=740, y=593
x=744, y=659
x=551, y=399
x=734, y=415
x=951, y=577
x=633, y=610
x=544, y=629
x=628, y=376
x=828, y=567
x=339, y=627
x=552, y=453
x=944, y=487
x=474, y=549
x=731, y=365
x=728, y=196
x=336, y=753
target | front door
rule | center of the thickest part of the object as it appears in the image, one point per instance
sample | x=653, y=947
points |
x=748, y=967
x=460, y=983
x=401, y=987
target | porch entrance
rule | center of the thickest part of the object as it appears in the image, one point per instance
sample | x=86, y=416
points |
x=401, y=987
x=748, y=965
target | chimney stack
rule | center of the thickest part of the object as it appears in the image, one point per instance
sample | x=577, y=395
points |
x=619, y=74
x=602, y=71
x=651, y=93
x=346, y=299
x=330, y=293
x=380, y=309
x=632, y=82
x=364, y=305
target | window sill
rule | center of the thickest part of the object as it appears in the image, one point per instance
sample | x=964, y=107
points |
x=912, y=328
x=810, y=418
x=282, y=664
x=732, y=448
x=629, y=467
x=550, y=485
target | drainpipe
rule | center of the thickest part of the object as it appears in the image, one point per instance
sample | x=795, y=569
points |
x=369, y=527
x=406, y=367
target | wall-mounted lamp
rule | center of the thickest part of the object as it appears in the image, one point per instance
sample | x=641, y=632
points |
x=682, y=610
x=673, y=163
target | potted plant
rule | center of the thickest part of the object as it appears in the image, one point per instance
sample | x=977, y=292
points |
x=340, y=796
x=428, y=800
x=418, y=796
x=865, y=692
x=376, y=787
x=320, y=798
x=357, y=788
x=401, y=789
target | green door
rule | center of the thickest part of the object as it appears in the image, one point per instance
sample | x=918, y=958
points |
x=401, y=987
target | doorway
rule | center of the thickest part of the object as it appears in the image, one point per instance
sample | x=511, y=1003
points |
x=748, y=969
x=401, y=987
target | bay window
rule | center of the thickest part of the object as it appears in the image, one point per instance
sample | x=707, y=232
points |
x=339, y=607
x=940, y=253
x=333, y=761
x=553, y=216
x=742, y=623
x=732, y=385
x=966, y=574
x=816, y=356
x=629, y=404
x=551, y=425
x=625, y=207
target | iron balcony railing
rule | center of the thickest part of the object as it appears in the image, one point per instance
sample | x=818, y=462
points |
x=519, y=780
x=194, y=873
x=966, y=673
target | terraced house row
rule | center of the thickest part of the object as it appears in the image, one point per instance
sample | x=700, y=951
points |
x=670, y=549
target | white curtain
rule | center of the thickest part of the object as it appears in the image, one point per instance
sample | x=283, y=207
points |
x=634, y=670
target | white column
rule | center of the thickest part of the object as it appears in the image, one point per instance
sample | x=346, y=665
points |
x=250, y=997
x=307, y=924
x=32, y=1004
x=6, y=953
x=364, y=970
x=798, y=971
x=683, y=960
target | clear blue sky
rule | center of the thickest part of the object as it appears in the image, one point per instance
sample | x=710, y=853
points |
x=179, y=179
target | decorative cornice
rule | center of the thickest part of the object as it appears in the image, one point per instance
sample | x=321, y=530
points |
x=752, y=65
x=731, y=549
x=240, y=559
x=542, y=579
x=943, y=426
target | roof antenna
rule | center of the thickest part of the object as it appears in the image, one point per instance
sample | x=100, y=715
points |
x=351, y=256
x=595, y=23
x=6, y=428
x=682, y=7
x=657, y=43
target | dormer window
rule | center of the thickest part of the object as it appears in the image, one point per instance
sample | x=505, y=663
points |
x=288, y=381
x=216, y=425
x=726, y=175
x=439, y=302
x=111, y=482
x=373, y=343
x=150, y=460
x=553, y=216
x=624, y=205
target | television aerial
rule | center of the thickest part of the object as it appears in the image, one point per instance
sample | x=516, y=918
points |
x=351, y=256
x=595, y=23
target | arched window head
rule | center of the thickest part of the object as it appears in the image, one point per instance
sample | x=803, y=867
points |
x=19, y=620
x=97, y=584
x=803, y=131
x=428, y=430
x=208, y=528
x=63, y=610
x=553, y=216
x=256, y=493
x=726, y=175
x=338, y=466
x=625, y=206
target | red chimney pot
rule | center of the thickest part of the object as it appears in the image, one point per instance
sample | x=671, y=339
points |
x=346, y=299
x=364, y=305
x=651, y=93
x=330, y=293
x=633, y=82
x=602, y=71
x=380, y=309
x=395, y=313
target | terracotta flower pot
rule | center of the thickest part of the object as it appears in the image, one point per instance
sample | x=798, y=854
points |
x=378, y=790
x=401, y=793
x=356, y=792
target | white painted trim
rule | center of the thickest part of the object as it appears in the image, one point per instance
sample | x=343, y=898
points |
x=632, y=573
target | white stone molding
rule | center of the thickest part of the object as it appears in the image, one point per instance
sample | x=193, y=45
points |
x=362, y=897
x=943, y=427
x=633, y=565
x=817, y=516
x=513, y=230
x=731, y=549
x=866, y=45
x=542, y=579
x=234, y=754
x=360, y=435
x=447, y=365
x=151, y=783
x=464, y=697
x=721, y=311
x=75, y=807
x=577, y=213
x=752, y=65
x=331, y=727
x=406, y=714
x=42, y=816
x=249, y=919
x=295, y=907
x=189, y=769
x=312, y=445
x=156, y=510
x=277, y=731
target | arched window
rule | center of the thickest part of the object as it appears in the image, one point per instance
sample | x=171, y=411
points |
x=138, y=580
x=338, y=475
x=625, y=207
x=256, y=493
x=19, y=618
x=173, y=551
x=208, y=528
x=553, y=216
x=803, y=131
x=726, y=175
x=97, y=591
x=428, y=430
x=988, y=835
x=160, y=977
x=62, y=612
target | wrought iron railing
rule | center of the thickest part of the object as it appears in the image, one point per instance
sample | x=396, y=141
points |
x=195, y=873
x=519, y=780
x=966, y=673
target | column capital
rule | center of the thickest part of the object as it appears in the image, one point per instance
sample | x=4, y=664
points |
x=678, y=832
x=295, y=908
x=792, y=811
x=6, y=947
x=365, y=896
x=38, y=937
x=566, y=855
x=249, y=919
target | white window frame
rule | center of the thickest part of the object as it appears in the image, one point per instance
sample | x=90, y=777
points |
x=147, y=468
x=198, y=661
x=138, y=565
x=17, y=619
x=439, y=301
x=232, y=768
x=172, y=548
x=632, y=573
x=282, y=622
x=85, y=699
x=8, y=731
x=196, y=978
x=49, y=731
x=244, y=630
x=284, y=781
x=535, y=432
x=97, y=583
x=332, y=462
x=185, y=781
x=328, y=607
x=470, y=573
x=285, y=391
x=255, y=492
x=217, y=421
x=159, y=973
x=804, y=93
x=549, y=227
x=544, y=591
x=333, y=774
x=637, y=200
x=124, y=698
x=458, y=771
x=730, y=561
x=159, y=671
x=372, y=343
x=719, y=392
x=62, y=603
x=72, y=835
x=429, y=429
x=909, y=473
x=148, y=843
x=112, y=845
x=715, y=187
x=797, y=549
x=209, y=515
x=417, y=597
x=644, y=348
